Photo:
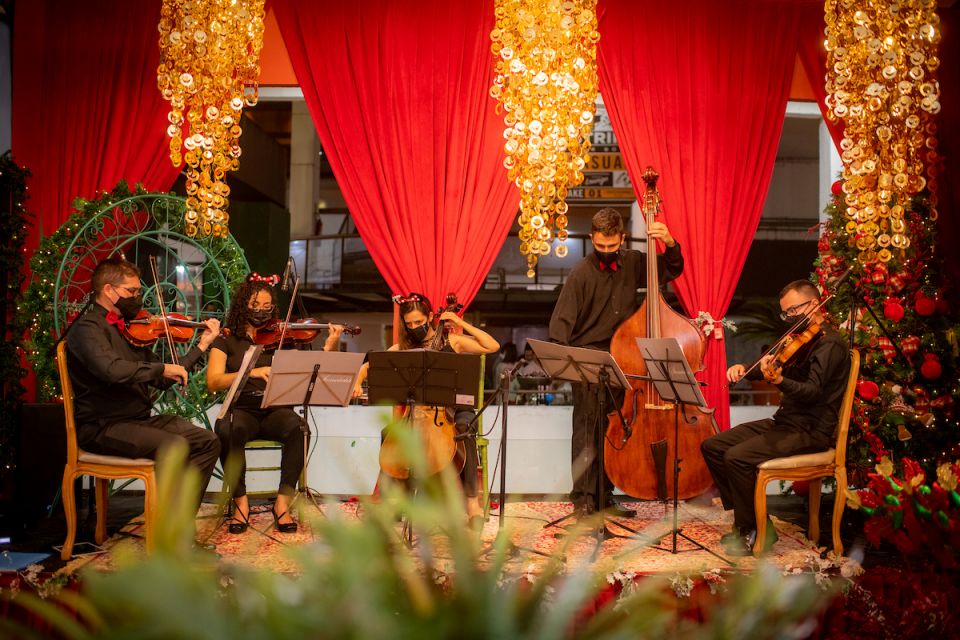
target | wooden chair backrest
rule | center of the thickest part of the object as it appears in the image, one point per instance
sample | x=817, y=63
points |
x=846, y=408
x=67, y=390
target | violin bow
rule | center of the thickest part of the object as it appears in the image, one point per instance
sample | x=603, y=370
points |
x=163, y=309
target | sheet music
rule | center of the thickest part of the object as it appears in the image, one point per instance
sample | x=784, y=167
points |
x=250, y=358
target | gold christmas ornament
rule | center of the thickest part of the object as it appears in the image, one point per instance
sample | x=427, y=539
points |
x=546, y=82
x=209, y=69
x=881, y=82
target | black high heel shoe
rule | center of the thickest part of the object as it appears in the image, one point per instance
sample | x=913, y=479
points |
x=239, y=522
x=282, y=527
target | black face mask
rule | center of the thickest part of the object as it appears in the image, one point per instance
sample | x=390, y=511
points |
x=606, y=257
x=258, y=319
x=419, y=334
x=129, y=307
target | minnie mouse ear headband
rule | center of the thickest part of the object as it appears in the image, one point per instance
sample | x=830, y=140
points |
x=270, y=280
x=412, y=297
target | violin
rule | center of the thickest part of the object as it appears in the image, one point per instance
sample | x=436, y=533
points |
x=803, y=331
x=787, y=347
x=303, y=331
x=145, y=329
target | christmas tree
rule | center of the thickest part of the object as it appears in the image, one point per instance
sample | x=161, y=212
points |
x=905, y=439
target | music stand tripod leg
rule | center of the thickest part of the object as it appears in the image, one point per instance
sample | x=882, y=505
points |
x=304, y=487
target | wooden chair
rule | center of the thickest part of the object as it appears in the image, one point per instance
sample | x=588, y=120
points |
x=103, y=468
x=813, y=467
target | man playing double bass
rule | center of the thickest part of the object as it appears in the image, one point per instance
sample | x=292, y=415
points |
x=598, y=295
x=812, y=383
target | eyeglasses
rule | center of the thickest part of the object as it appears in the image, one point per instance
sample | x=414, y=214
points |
x=795, y=310
x=256, y=307
x=134, y=291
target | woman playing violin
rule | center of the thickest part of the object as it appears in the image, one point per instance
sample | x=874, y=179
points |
x=252, y=307
x=812, y=383
x=418, y=332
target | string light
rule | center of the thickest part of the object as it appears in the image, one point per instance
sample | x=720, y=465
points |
x=209, y=69
x=881, y=82
x=546, y=82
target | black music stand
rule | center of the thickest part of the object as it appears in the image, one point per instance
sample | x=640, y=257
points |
x=293, y=381
x=674, y=381
x=418, y=376
x=588, y=366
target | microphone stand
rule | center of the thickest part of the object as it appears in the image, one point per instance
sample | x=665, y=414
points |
x=503, y=392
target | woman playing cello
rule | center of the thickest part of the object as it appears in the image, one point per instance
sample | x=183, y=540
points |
x=418, y=332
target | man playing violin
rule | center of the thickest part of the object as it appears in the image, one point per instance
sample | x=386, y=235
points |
x=113, y=380
x=599, y=294
x=812, y=384
x=253, y=306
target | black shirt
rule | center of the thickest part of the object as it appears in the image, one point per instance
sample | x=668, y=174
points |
x=234, y=346
x=594, y=302
x=814, y=381
x=111, y=377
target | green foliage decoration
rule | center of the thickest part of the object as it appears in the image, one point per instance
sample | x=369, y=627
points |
x=112, y=221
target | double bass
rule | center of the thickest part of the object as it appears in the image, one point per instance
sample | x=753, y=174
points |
x=638, y=466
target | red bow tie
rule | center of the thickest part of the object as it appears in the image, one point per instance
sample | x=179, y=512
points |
x=613, y=266
x=116, y=320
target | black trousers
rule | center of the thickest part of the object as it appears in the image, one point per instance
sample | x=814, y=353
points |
x=733, y=457
x=583, y=444
x=149, y=437
x=280, y=424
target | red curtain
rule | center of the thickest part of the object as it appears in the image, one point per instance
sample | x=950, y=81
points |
x=813, y=57
x=398, y=91
x=87, y=112
x=699, y=91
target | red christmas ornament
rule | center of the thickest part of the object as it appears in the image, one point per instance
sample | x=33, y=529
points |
x=898, y=281
x=931, y=367
x=837, y=188
x=893, y=310
x=868, y=390
x=921, y=400
x=801, y=487
x=889, y=352
x=910, y=345
x=924, y=306
x=879, y=274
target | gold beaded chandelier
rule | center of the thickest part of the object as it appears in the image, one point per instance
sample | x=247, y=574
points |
x=881, y=82
x=209, y=69
x=546, y=82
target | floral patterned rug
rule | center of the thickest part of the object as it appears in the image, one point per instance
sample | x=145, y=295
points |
x=575, y=545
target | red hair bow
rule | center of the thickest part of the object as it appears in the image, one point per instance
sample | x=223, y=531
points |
x=270, y=280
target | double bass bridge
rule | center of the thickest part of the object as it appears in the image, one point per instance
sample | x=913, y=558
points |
x=659, y=407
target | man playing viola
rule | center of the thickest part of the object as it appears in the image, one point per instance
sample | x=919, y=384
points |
x=113, y=380
x=812, y=383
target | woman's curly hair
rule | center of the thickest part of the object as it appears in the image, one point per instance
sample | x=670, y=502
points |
x=238, y=314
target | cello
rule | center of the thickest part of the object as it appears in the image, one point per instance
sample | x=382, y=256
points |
x=638, y=467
